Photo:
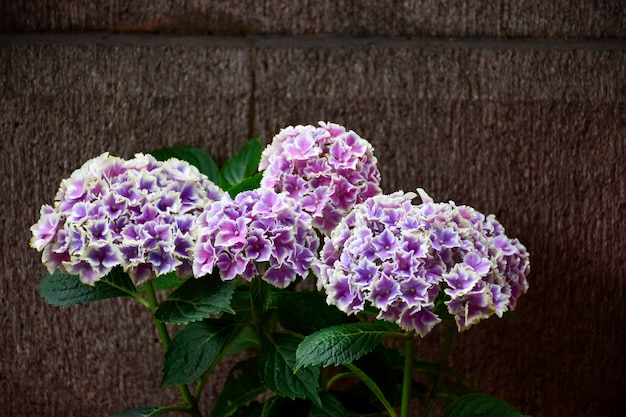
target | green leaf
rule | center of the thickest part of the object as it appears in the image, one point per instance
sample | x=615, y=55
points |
x=480, y=405
x=241, y=386
x=64, y=290
x=197, y=299
x=277, y=369
x=281, y=407
x=242, y=305
x=262, y=295
x=331, y=407
x=141, y=412
x=164, y=282
x=341, y=344
x=196, y=349
x=245, y=340
x=242, y=165
x=250, y=183
x=195, y=156
x=448, y=391
x=307, y=312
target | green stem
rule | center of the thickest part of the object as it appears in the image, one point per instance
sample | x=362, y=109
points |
x=407, y=380
x=152, y=305
x=165, y=340
x=336, y=378
x=373, y=387
x=171, y=408
x=443, y=356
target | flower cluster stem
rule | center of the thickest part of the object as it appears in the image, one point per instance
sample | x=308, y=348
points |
x=407, y=380
x=164, y=335
x=443, y=357
x=369, y=382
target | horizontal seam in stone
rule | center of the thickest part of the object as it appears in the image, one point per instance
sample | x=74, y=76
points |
x=305, y=41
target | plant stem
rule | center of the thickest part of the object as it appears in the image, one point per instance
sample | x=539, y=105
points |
x=407, y=379
x=335, y=378
x=443, y=356
x=164, y=335
x=373, y=387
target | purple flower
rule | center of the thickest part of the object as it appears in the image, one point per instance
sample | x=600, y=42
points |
x=327, y=169
x=45, y=230
x=258, y=231
x=402, y=259
x=136, y=214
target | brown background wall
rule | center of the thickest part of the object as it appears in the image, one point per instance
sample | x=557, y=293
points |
x=516, y=108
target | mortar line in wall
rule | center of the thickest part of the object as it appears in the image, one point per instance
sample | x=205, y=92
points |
x=305, y=41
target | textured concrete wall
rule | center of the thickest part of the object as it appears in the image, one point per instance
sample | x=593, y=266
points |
x=533, y=130
x=493, y=18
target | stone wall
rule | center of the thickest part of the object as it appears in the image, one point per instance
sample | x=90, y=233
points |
x=515, y=108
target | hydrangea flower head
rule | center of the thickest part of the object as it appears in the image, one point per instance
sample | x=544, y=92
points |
x=137, y=214
x=402, y=258
x=326, y=168
x=257, y=232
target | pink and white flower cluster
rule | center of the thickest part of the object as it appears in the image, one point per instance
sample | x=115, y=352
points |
x=402, y=258
x=137, y=214
x=152, y=218
x=257, y=232
x=327, y=169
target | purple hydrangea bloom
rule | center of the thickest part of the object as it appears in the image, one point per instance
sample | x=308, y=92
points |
x=403, y=258
x=137, y=214
x=327, y=169
x=257, y=232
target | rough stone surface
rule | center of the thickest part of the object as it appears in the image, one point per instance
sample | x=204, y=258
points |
x=61, y=105
x=535, y=136
x=490, y=18
x=532, y=132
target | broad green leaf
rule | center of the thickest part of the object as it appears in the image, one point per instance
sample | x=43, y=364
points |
x=245, y=340
x=241, y=303
x=262, y=295
x=281, y=407
x=341, y=344
x=195, y=156
x=250, y=183
x=480, y=405
x=241, y=386
x=197, y=348
x=331, y=407
x=141, y=412
x=164, y=282
x=277, y=369
x=197, y=299
x=242, y=165
x=64, y=290
x=448, y=391
x=307, y=312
